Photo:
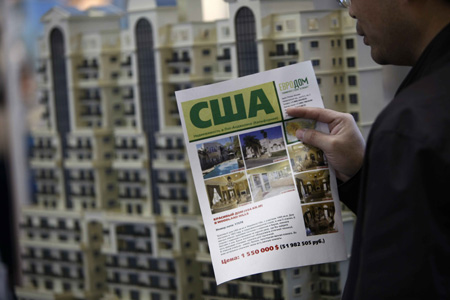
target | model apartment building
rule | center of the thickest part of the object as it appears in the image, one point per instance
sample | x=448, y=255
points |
x=114, y=213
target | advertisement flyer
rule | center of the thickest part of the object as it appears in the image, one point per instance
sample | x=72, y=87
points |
x=268, y=201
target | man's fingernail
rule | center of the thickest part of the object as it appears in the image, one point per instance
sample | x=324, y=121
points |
x=300, y=133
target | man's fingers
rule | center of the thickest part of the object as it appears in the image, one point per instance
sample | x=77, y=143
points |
x=314, y=138
x=314, y=113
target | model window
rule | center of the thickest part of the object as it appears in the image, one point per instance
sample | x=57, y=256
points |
x=352, y=80
x=353, y=98
x=350, y=43
x=292, y=49
x=247, y=53
x=351, y=62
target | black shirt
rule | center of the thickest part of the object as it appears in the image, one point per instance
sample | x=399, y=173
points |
x=401, y=245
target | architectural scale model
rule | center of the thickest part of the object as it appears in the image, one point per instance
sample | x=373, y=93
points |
x=114, y=213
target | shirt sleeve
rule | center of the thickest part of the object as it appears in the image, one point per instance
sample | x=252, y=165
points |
x=349, y=192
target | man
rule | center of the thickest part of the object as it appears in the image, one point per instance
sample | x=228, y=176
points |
x=397, y=184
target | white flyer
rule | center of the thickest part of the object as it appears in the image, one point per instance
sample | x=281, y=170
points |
x=268, y=201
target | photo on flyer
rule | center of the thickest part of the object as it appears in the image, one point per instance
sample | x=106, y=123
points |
x=314, y=186
x=319, y=218
x=304, y=157
x=262, y=147
x=220, y=157
x=228, y=192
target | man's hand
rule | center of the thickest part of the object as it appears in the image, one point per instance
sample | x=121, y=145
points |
x=344, y=146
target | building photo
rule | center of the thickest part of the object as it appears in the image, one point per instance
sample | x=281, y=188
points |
x=272, y=180
x=314, y=186
x=319, y=218
x=262, y=147
x=220, y=157
x=305, y=157
x=228, y=192
x=293, y=125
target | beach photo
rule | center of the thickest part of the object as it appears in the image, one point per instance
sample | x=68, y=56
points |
x=228, y=192
x=262, y=147
x=220, y=157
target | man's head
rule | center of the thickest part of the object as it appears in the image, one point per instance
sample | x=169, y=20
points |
x=399, y=30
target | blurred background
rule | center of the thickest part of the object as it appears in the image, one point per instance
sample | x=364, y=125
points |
x=97, y=199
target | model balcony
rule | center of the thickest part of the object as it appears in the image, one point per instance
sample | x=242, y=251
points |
x=222, y=75
x=330, y=293
x=132, y=232
x=140, y=284
x=170, y=147
x=47, y=193
x=128, y=146
x=41, y=145
x=82, y=177
x=330, y=275
x=131, y=180
x=140, y=268
x=130, y=113
x=224, y=57
x=43, y=155
x=88, y=76
x=176, y=59
x=126, y=63
x=86, y=66
x=127, y=196
x=47, y=226
x=80, y=146
x=258, y=280
x=173, y=198
x=135, y=250
x=172, y=181
x=129, y=96
x=171, y=96
x=90, y=99
x=180, y=78
x=43, y=99
x=42, y=69
x=46, y=177
x=78, y=277
x=277, y=54
x=91, y=113
x=174, y=113
x=86, y=194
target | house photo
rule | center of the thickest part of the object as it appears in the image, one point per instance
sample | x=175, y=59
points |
x=314, y=186
x=270, y=181
x=262, y=147
x=228, y=192
x=319, y=218
x=305, y=157
x=220, y=157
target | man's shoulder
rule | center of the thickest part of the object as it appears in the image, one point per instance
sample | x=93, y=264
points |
x=422, y=110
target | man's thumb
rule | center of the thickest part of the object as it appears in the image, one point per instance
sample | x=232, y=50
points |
x=313, y=137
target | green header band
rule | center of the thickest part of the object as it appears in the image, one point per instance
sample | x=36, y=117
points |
x=233, y=111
